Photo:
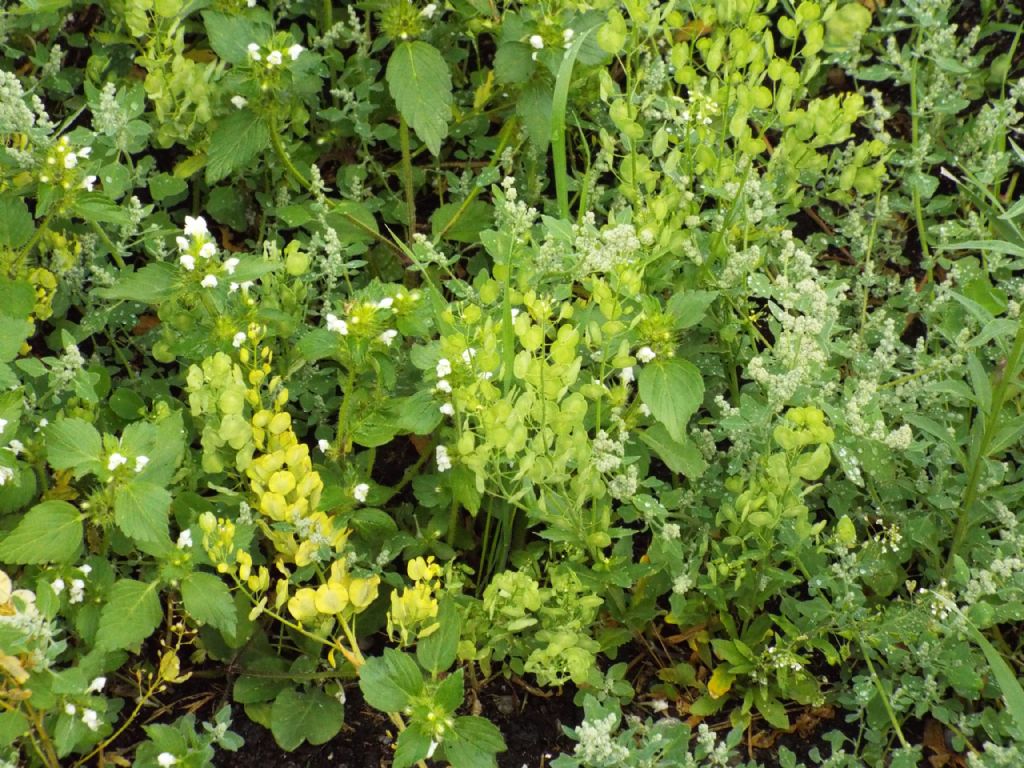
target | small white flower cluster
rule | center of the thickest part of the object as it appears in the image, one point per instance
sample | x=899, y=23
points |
x=596, y=743
x=166, y=759
x=275, y=56
x=117, y=459
x=604, y=251
x=513, y=215
x=197, y=244
x=76, y=593
x=62, y=160
x=89, y=716
x=365, y=315
x=360, y=492
x=444, y=461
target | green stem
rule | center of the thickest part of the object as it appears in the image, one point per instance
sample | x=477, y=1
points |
x=992, y=422
x=342, y=441
x=407, y=182
x=107, y=242
x=922, y=234
x=884, y=696
x=36, y=237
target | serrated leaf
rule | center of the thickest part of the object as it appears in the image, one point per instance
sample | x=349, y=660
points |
x=131, y=614
x=473, y=743
x=50, y=532
x=16, y=224
x=152, y=284
x=230, y=34
x=17, y=298
x=673, y=390
x=235, y=142
x=421, y=86
x=13, y=332
x=388, y=682
x=73, y=444
x=436, y=652
x=413, y=745
x=208, y=600
x=680, y=456
x=140, y=510
x=417, y=414
x=689, y=308
x=311, y=716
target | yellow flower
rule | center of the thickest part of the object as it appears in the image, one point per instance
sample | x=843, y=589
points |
x=362, y=592
x=332, y=597
x=423, y=570
x=303, y=604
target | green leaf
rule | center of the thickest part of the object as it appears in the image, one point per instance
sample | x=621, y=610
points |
x=235, y=142
x=773, y=711
x=140, y=510
x=13, y=332
x=680, y=456
x=94, y=206
x=16, y=298
x=318, y=344
x=421, y=86
x=131, y=615
x=673, y=390
x=451, y=692
x=208, y=600
x=388, y=682
x=230, y=34
x=152, y=284
x=50, y=532
x=473, y=743
x=73, y=444
x=534, y=108
x=417, y=414
x=436, y=652
x=413, y=745
x=689, y=307
x=16, y=224
x=310, y=715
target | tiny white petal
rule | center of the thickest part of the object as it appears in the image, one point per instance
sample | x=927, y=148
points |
x=89, y=183
x=323, y=445
x=230, y=265
x=336, y=324
x=188, y=261
x=360, y=492
x=274, y=58
x=210, y=281
x=195, y=225
x=444, y=386
x=295, y=51
x=184, y=539
x=70, y=160
x=388, y=336
x=238, y=340
x=645, y=354
x=447, y=409
x=208, y=249
x=141, y=462
x=116, y=460
x=96, y=685
x=537, y=41
x=444, y=367
x=166, y=759
x=385, y=303
x=239, y=101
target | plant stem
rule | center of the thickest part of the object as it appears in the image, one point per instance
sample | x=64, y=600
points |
x=881, y=692
x=992, y=421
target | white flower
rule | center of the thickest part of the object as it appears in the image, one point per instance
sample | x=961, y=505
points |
x=85, y=151
x=184, y=539
x=274, y=58
x=239, y=101
x=431, y=749
x=88, y=183
x=188, y=261
x=444, y=386
x=166, y=759
x=77, y=591
x=238, y=340
x=195, y=225
x=294, y=51
x=360, y=491
x=385, y=303
x=443, y=367
x=336, y=324
x=3, y=424
x=6, y=475
x=645, y=354
x=429, y=10
x=85, y=568
x=57, y=586
x=96, y=685
x=207, y=250
x=537, y=41
x=141, y=462
x=254, y=51
x=230, y=265
x=323, y=445
x=70, y=708
x=444, y=462
x=70, y=160
x=251, y=3
x=183, y=243
x=210, y=281
x=447, y=409
x=627, y=374
x=116, y=460
x=388, y=336
x=16, y=447
x=568, y=34
x=91, y=719
x=468, y=355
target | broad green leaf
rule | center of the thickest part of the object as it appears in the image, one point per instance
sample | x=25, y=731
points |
x=773, y=711
x=689, y=307
x=230, y=34
x=17, y=298
x=208, y=600
x=421, y=86
x=73, y=444
x=318, y=344
x=436, y=652
x=534, y=108
x=417, y=414
x=131, y=615
x=451, y=692
x=50, y=532
x=16, y=224
x=390, y=681
x=311, y=716
x=413, y=745
x=235, y=142
x=152, y=284
x=680, y=456
x=97, y=207
x=673, y=390
x=13, y=332
x=141, y=509
x=473, y=743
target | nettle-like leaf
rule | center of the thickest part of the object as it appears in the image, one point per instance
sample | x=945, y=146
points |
x=208, y=599
x=311, y=716
x=50, y=532
x=389, y=682
x=673, y=390
x=131, y=614
x=235, y=142
x=141, y=509
x=421, y=86
x=73, y=444
x=473, y=743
